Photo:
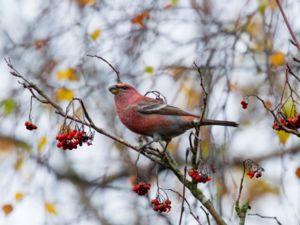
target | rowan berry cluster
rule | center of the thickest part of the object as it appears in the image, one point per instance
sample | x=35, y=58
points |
x=244, y=104
x=291, y=123
x=199, y=176
x=71, y=139
x=30, y=126
x=253, y=169
x=253, y=173
x=142, y=188
x=161, y=205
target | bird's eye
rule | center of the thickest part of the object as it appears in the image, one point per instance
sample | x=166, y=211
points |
x=124, y=87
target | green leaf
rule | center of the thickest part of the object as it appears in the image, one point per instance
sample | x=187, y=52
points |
x=174, y=2
x=289, y=108
x=149, y=69
x=262, y=6
x=8, y=105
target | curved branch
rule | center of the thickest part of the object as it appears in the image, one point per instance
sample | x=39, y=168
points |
x=166, y=160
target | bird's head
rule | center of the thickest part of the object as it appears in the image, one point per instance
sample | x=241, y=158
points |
x=121, y=89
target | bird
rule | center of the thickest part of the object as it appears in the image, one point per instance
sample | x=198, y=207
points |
x=153, y=117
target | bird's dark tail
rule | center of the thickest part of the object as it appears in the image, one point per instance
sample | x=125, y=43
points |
x=224, y=123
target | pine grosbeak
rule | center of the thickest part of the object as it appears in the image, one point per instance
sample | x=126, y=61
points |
x=152, y=117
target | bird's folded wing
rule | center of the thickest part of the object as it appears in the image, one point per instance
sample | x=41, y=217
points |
x=153, y=106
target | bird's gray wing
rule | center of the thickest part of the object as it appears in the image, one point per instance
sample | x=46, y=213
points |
x=153, y=106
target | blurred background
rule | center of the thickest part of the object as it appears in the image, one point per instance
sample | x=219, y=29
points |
x=241, y=47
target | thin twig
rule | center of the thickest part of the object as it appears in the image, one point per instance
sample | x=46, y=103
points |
x=206, y=214
x=241, y=211
x=196, y=217
x=292, y=73
x=266, y=217
x=84, y=110
x=183, y=191
x=111, y=66
x=241, y=184
x=295, y=40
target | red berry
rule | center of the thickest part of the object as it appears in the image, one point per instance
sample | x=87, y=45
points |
x=251, y=174
x=30, y=126
x=258, y=174
x=59, y=144
x=168, y=201
x=73, y=132
x=191, y=172
x=168, y=208
x=244, y=104
x=156, y=207
x=141, y=188
x=155, y=201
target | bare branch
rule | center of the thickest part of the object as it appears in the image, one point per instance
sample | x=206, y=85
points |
x=111, y=66
x=266, y=217
x=295, y=40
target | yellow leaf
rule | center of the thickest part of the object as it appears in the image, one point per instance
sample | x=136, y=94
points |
x=9, y=143
x=19, y=162
x=7, y=208
x=19, y=196
x=173, y=147
x=177, y=71
x=96, y=34
x=205, y=142
x=283, y=136
x=64, y=94
x=82, y=3
x=261, y=44
x=259, y=187
x=50, y=208
x=193, y=95
x=42, y=143
x=289, y=110
x=277, y=59
x=68, y=74
x=254, y=27
x=272, y=4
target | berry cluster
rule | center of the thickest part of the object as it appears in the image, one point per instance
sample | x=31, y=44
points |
x=142, y=188
x=72, y=138
x=30, y=126
x=291, y=123
x=160, y=205
x=255, y=173
x=199, y=176
x=244, y=104
x=253, y=169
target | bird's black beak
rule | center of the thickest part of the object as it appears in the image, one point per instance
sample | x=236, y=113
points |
x=113, y=89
